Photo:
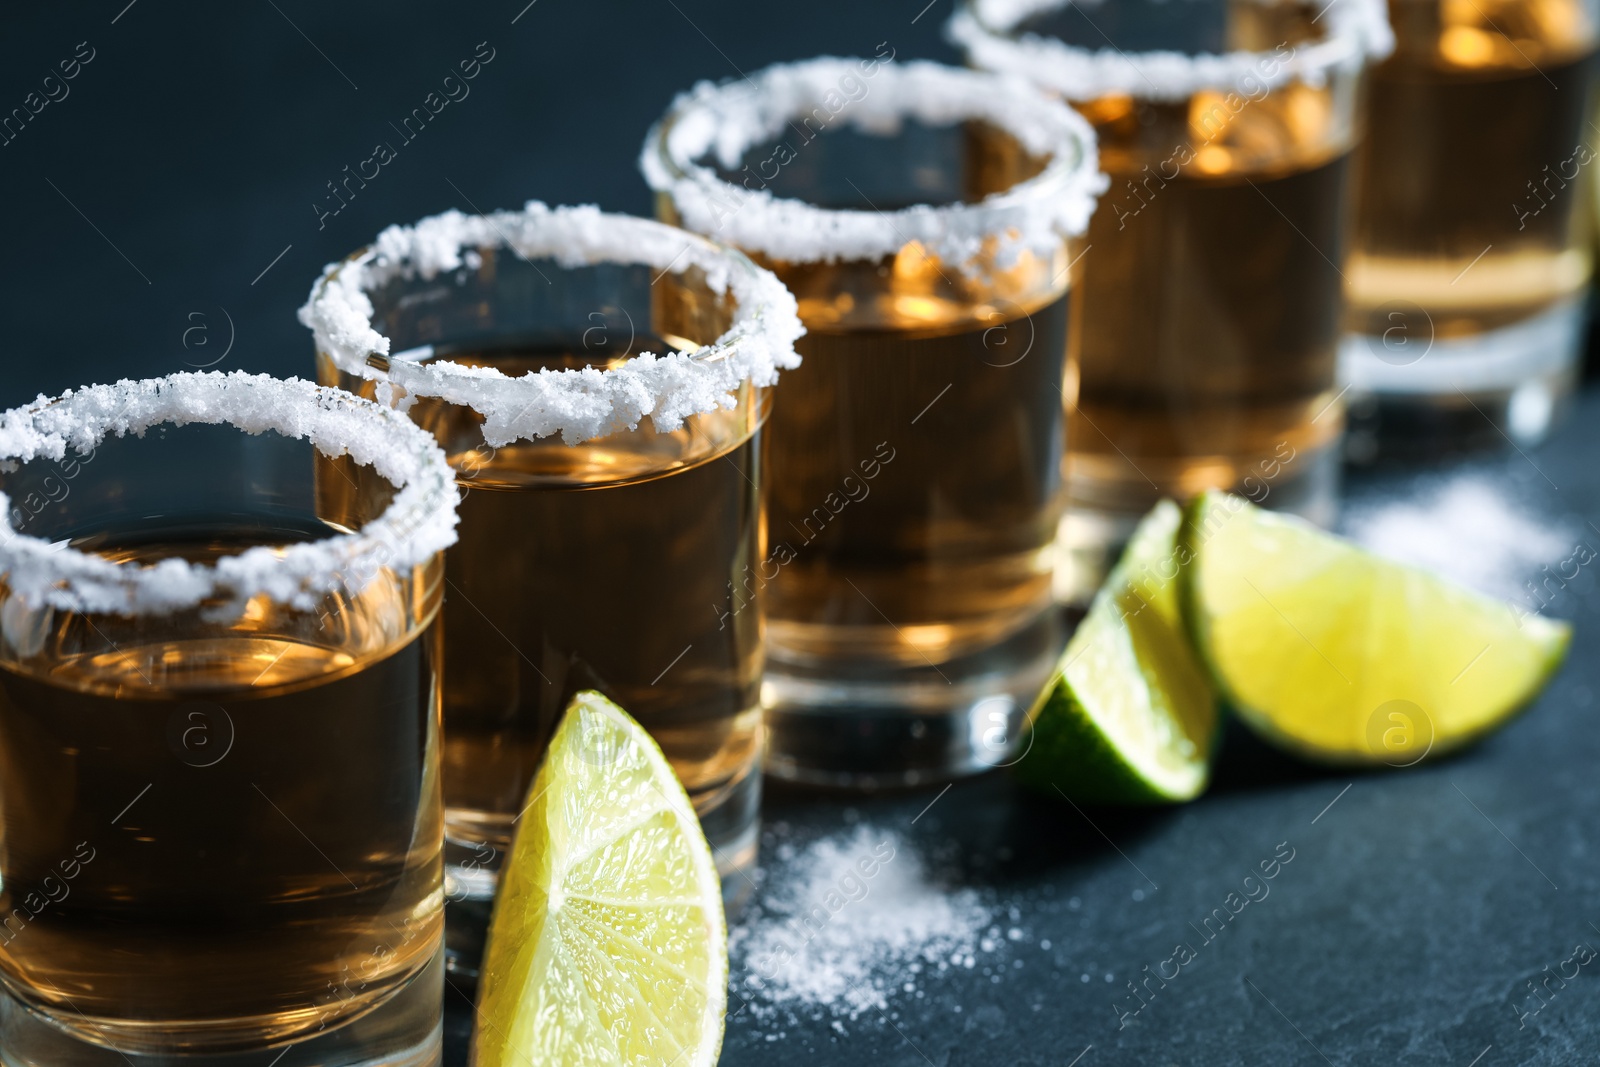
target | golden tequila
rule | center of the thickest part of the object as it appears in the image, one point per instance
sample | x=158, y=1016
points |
x=619, y=565
x=1208, y=351
x=925, y=219
x=221, y=823
x=246, y=822
x=1469, y=259
x=914, y=484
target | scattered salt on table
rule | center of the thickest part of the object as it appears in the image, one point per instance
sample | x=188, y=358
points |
x=849, y=922
x=1465, y=528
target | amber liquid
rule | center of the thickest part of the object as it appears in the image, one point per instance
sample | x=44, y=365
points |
x=222, y=840
x=1469, y=189
x=914, y=480
x=1211, y=306
x=617, y=565
x=1208, y=336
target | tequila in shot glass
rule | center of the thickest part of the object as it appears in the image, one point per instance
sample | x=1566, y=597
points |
x=1212, y=281
x=1469, y=264
x=926, y=218
x=599, y=383
x=222, y=833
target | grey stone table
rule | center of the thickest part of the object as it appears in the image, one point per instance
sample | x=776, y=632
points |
x=1416, y=910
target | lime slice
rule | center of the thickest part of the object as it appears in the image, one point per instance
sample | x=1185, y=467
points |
x=608, y=943
x=1344, y=657
x=1130, y=716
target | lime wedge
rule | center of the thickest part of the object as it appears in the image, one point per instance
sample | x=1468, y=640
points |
x=1344, y=657
x=1130, y=716
x=608, y=943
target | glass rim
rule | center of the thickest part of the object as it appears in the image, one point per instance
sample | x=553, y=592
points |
x=1356, y=32
x=418, y=523
x=730, y=117
x=579, y=404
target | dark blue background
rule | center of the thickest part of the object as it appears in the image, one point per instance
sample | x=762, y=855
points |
x=201, y=135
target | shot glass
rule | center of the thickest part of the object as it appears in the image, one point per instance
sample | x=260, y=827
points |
x=927, y=219
x=1208, y=355
x=1470, y=260
x=222, y=835
x=599, y=383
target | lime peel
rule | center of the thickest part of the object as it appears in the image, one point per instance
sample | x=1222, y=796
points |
x=1130, y=717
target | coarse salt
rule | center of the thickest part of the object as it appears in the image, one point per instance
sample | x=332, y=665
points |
x=578, y=404
x=1464, y=528
x=849, y=923
x=1356, y=30
x=419, y=522
x=724, y=120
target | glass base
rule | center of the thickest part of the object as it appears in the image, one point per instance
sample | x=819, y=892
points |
x=1091, y=536
x=403, y=1031
x=730, y=817
x=1462, y=393
x=869, y=726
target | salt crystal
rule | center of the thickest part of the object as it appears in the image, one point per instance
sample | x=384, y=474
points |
x=1464, y=528
x=727, y=119
x=1356, y=30
x=582, y=403
x=419, y=522
x=830, y=935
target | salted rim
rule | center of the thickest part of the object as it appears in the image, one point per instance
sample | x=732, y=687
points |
x=579, y=404
x=1357, y=30
x=728, y=118
x=419, y=522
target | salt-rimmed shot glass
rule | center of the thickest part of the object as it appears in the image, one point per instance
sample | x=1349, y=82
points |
x=219, y=721
x=1471, y=253
x=927, y=220
x=1212, y=286
x=599, y=383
